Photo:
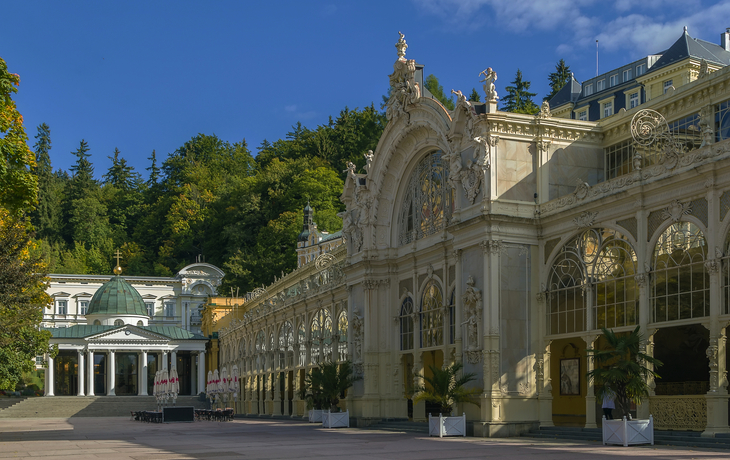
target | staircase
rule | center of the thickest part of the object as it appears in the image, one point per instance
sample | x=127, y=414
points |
x=89, y=406
x=661, y=437
x=401, y=426
x=7, y=402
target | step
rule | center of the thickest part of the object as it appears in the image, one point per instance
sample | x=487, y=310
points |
x=9, y=402
x=89, y=406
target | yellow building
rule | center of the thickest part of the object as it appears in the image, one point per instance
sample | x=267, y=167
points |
x=506, y=242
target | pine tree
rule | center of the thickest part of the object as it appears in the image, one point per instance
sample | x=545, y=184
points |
x=154, y=171
x=474, y=96
x=82, y=173
x=433, y=86
x=46, y=218
x=558, y=79
x=518, y=98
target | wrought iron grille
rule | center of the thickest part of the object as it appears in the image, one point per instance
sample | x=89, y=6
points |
x=428, y=201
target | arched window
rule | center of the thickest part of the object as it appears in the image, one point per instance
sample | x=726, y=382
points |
x=286, y=345
x=118, y=322
x=432, y=318
x=428, y=200
x=616, y=297
x=726, y=274
x=97, y=322
x=566, y=304
x=302, y=341
x=342, y=325
x=452, y=318
x=139, y=323
x=406, y=324
x=315, y=334
x=680, y=287
x=260, y=350
x=326, y=334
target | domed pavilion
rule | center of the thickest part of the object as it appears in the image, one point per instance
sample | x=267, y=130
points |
x=117, y=352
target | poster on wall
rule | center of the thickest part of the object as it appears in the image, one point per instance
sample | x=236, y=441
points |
x=570, y=377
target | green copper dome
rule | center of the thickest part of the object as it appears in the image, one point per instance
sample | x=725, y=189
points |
x=117, y=297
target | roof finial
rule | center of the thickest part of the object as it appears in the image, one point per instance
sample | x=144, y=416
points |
x=117, y=269
x=685, y=29
x=401, y=46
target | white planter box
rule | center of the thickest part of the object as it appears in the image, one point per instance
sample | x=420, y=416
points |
x=628, y=432
x=315, y=415
x=336, y=419
x=447, y=426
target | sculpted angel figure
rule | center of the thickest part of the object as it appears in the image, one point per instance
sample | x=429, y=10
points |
x=351, y=172
x=369, y=160
x=490, y=76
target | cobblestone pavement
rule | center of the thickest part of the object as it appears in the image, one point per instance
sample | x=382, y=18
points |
x=114, y=438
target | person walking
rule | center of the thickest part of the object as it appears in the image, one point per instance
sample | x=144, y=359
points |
x=608, y=403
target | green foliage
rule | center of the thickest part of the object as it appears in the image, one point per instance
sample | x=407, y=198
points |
x=22, y=299
x=46, y=218
x=474, y=96
x=324, y=385
x=433, y=86
x=446, y=388
x=18, y=184
x=518, y=98
x=558, y=79
x=209, y=197
x=621, y=368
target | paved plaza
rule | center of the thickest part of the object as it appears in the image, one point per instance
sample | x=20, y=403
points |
x=114, y=438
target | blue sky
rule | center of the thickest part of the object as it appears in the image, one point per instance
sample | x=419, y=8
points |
x=144, y=75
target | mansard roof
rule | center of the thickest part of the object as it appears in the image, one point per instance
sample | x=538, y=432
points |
x=686, y=47
x=570, y=92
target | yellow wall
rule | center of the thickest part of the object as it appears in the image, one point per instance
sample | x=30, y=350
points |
x=568, y=410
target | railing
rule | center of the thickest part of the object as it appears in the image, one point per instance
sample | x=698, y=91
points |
x=679, y=412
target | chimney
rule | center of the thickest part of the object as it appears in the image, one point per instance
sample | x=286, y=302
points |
x=725, y=39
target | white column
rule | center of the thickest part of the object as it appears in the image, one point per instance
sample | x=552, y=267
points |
x=201, y=372
x=173, y=361
x=164, y=361
x=142, y=391
x=49, y=377
x=91, y=373
x=80, y=372
x=112, y=377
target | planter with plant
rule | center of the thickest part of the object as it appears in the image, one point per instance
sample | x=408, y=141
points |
x=621, y=374
x=445, y=388
x=323, y=387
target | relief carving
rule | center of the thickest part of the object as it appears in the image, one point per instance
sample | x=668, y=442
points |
x=472, y=300
x=404, y=89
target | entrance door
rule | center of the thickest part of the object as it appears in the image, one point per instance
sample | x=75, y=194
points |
x=184, y=371
x=126, y=374
x=66, y=373
x=100, y=374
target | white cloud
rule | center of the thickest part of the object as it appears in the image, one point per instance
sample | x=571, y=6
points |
x=291, y=108
x=649, y=26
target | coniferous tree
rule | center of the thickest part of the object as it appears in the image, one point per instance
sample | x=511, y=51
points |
x=474, y=96
x=519, y=98
x=82, y=173
x=46, y=218
x=433, y=86
x=558, y=79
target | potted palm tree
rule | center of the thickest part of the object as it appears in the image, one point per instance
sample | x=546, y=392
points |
x=324, y=386
x=621, y=373
x=445, y=388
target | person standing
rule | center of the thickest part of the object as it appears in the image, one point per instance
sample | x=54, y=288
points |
x=608, y=403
